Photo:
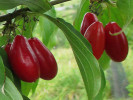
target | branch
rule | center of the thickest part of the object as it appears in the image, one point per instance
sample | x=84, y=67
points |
x=10, y=16
x=16, y=13
x=58, y=2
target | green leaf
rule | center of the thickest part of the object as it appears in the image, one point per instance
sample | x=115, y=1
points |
x=47, y=28
x=87, y=63
x=2, y=73
x=4, y=57
x=103, y=84
x=17, y=83
x=3, y=96
x=25, y=98
x=35, y=86
x=11, y=91
x=9, y=74
x=3, y=40
x=34, y=5
x=8, y=4
x=26, y=87
x=104, y=61
x=84, y=7
x=126, y=7
x=112, y=14
x=37, y=5
x=7, y=69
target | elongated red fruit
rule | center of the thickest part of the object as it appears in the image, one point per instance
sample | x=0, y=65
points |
x=96, y=36
x=48, y=65
x=88, y=19
x=23, y=60
x=115, y=46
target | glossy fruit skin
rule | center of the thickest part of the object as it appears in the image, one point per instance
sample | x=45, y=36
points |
x=96, y=36
x=23, y=60
x=116, y=46
x=7, y=48
x=48, y=65
x=88, y=19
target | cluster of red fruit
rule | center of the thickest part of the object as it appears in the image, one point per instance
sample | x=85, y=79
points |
x=100, y=38
x=30, y=59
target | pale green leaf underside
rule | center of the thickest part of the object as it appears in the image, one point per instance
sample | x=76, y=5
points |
x=3, y=96
x=2, y=73
x=11, y=90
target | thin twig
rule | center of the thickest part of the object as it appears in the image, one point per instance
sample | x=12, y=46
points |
x=58, y=2
x=10, y=16
x=16, y=13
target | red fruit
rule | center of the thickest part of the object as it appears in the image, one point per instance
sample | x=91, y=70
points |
x=23, y=60
x=88, y=19
x=115, y=46
x=48, y=65
x=96, y=36
x=7, y=48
